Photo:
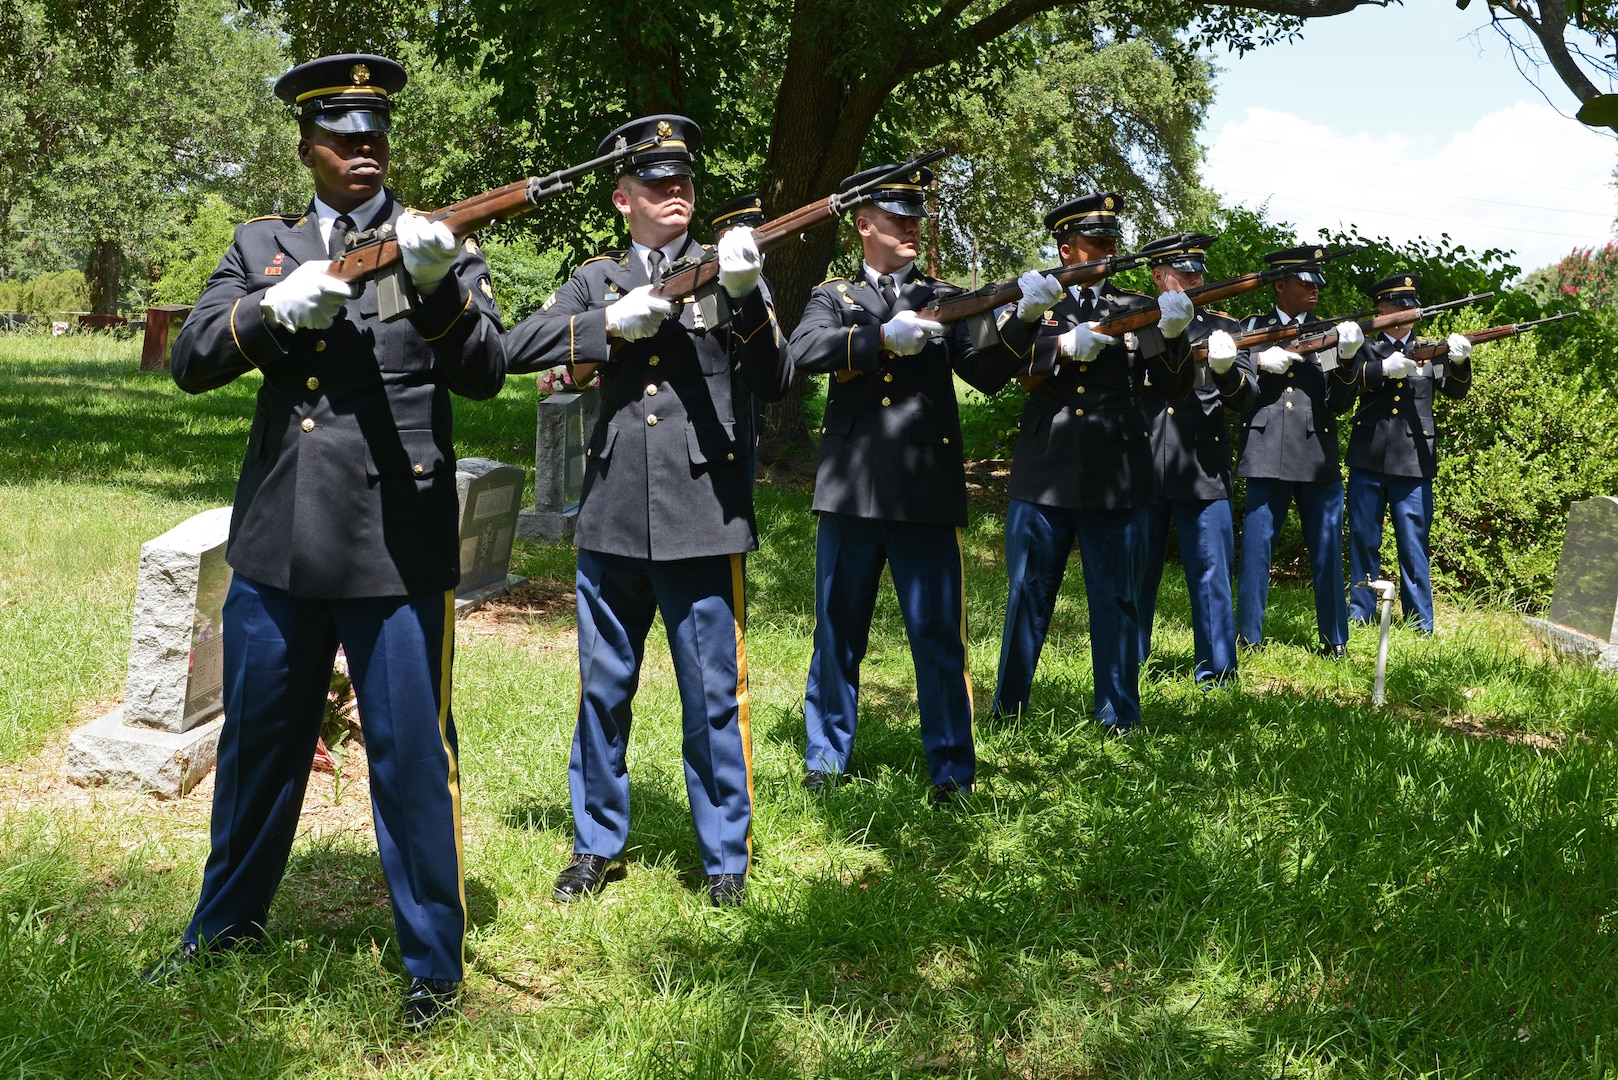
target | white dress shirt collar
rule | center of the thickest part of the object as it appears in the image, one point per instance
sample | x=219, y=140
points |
x=900, y=276
x=671, y=251
x=361, y=215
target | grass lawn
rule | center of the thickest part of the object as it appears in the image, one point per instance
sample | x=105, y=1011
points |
x=1276, y=881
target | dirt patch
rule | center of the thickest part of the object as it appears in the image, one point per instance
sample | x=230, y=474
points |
x=986, y=483
x=1465, y=725
x=540, y=611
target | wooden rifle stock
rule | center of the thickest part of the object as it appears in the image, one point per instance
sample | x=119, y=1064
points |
x=683, y=279
x=1272, y=335
x=953, y=307
x=1437, y=350
x=375, y=253
x=1378, y=323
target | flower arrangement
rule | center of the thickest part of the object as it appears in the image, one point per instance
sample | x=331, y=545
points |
x=340, y=727
x=557, y=380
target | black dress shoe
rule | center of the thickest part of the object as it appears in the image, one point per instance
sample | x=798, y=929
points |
x=1249, y=646
x=727, y=890
x=1118, y=732
x=949, y=793
x=428, y=1001
x=186, y=957
x=1334, y=652
x=585, y=874
x=818, y=780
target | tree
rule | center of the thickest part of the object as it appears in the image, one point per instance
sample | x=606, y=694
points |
x=1574, y=38
x=101, y=153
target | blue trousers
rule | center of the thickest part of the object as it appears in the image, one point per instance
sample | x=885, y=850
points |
x=278, y=659
x=1410, y=500
x=1208, y=555
x=703, y=610
x=1112, y=546
x=1320, y=508
x=929, y=578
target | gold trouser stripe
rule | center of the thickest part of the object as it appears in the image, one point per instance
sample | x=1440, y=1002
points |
x=446, y=666
x=744, y=720
x=966, y=663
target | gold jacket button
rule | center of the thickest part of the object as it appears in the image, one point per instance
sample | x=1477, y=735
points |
x=320, y=346
x=1078, y=412
x=1289, y=404
x=1395, y=412
x=1081, y=389
x=1395, y=397
x=313, y=383
x=651, y=389
x=1083, y=368
x=1171, y=410
x=730, y=457
x=653, y=360
x=946, y=440
x=887, y=401
x=307, y=425
x=823, y=431
x=417, y=469
x=1292, y=374
x=651, y=419
x=887, y=377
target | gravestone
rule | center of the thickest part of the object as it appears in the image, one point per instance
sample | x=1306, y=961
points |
x=561, y=437
x=165, y=736
x=491, y=498
x=1583, y=619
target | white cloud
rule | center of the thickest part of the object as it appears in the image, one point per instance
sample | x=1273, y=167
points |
x=1524, y=178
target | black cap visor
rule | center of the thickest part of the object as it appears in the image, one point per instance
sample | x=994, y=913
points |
x=354, y=121
x=1185, y=264
x=659, y=170
x=903, y=209
x=1311, y=277
x=1399, y=301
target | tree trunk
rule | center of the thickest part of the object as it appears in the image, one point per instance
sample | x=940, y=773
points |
x=821, y=121
x=102, y=271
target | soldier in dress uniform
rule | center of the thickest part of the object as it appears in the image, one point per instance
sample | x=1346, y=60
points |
x=1393, y=455
x=1191, y=463
x=1082, y=469
x=345, y=528
x=667, y=509
x=891, y=487
x=1288, y=451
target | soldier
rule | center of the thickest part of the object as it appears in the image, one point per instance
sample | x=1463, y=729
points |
x=1288, y=451
x=1191, y=463
x=666, y=511
x=1393, y=456
x=891, y=488
x=345, y=528
x=1082, y=469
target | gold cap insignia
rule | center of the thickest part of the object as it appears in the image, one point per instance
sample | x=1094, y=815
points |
x=915, y=178
x=1107, y=203
x=1319, y=254
x=1409, y=284
x=360, y=73
x=664, y=129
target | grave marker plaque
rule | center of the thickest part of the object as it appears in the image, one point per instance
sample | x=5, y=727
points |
x=562, y=435
x=491, y=497
x=1586, y=596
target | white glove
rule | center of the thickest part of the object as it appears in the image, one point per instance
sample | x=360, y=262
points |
x=309, y=298
x=1040, y=292
x=1349, y=339
x=1174, y=313
x=428, y=249
x=1221, y=352
x=1459, y=347
x=1398, y=366
x=906, y=333
x=1276, y=360
x=739, y=262
x=638, y=314
x=1082, y=343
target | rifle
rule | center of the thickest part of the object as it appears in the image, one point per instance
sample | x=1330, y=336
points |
x=375, y=252
x=1437, y=349
x=953, y=306
x=1376, y=324
x=1146, y=315
x=1273, y=335
x=695, y=278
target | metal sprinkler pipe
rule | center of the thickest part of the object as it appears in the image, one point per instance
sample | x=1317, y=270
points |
x=1385, y=591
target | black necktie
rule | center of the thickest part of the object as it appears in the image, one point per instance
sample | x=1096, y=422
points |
x=1087, y=304
x=339, y=237
x=654, y=263
x=884, y=285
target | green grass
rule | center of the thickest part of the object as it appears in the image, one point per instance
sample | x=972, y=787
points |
x=1278, y=881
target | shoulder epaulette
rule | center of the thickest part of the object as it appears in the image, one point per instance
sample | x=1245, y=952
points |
x=285, y=219
x=833, y=278
x=941, y=281
x=1221, y=314
x=615, y=256
x=1131, y=292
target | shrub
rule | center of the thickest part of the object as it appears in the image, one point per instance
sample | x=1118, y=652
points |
x=186, y=256
x=46, y=295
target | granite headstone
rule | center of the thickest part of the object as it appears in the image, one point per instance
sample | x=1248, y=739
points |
x=1583, y=619
x=561, y=437
x=491, y=498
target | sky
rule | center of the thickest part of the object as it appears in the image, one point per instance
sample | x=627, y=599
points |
x=1410, y=121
